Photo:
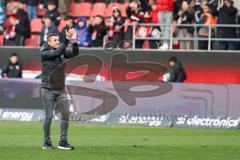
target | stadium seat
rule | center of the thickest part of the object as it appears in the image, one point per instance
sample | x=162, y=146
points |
x=81, y=9
x=62, y=24
x=36, y=25
x=99, y=9
x=41, y=12
x=1, y=40
x=110, y=7
x=123, y=9
x=34, y=41
x=13, y=6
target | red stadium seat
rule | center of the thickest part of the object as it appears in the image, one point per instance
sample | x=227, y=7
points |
x=99, y=9
x=36, y=25
x=110, y=7
x=1, y=40
x=41, y=12
x=62, y=24
x=123, y=9
x=81, y=9
x=12, y=7
x=34, y=41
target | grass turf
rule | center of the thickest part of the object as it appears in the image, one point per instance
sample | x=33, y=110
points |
x=23, y=141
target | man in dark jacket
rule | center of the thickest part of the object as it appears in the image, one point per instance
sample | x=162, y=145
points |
x=13, y=69
x=227, y=15
x=53, y=13
x=176, y=71
x=98, y=31
x=53, y=56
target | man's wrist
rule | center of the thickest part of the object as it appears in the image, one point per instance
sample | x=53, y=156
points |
x=66, y=41
x=75, y=43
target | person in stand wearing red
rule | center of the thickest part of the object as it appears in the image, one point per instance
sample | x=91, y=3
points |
x=156, y=31
x=135, y=15
x=14, y=32
x=165, y=17
x=98, y=30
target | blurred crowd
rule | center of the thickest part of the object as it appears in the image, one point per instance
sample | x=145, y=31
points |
x=117, y=30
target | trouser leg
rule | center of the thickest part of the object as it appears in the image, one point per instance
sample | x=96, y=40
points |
x=48, y=103
x=63, y=104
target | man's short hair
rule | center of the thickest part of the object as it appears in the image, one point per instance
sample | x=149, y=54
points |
x=13, y=54
x=51, y=35
x=173, y=59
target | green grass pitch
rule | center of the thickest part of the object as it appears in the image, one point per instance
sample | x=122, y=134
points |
x=23, y=141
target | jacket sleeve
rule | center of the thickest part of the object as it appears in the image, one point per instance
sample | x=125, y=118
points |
x=51, y=54
x=20, y=72
x=173, y=75
x=4, y=72
x=72, y=52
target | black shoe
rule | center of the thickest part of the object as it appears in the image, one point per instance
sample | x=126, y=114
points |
x=65, y=146
x=47, y=145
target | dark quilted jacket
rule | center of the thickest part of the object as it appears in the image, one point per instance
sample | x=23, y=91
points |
x=53, y=63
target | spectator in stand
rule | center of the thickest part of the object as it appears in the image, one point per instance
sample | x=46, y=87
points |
x=156, y=31
x=44, y=3
x=116, y=33
x=84, y=37
x=64, y=6
x=53, y=13
x=165, y=8
x=70, y=24
x=185, y=16
x=227, y=15
x=32, y=9
x=14, y=33
x=135, y=15
x=23, y=20
x=98, y=30
x=48, y=27
x=2, y=16
x=13, y=68
x=197, y=9
x=207, y=19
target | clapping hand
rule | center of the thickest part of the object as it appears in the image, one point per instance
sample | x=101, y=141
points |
x=71, y=34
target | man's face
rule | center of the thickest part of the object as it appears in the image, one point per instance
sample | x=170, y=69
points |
x=98, y=20
x=13, y=59
x=172, y=63
x=51, y=7
x=227, y=3
x=54, y=41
